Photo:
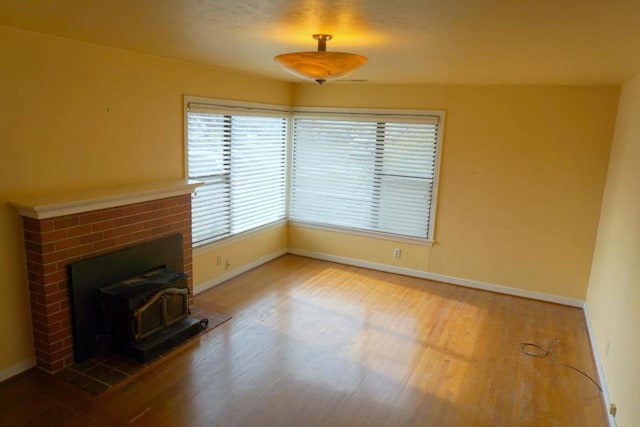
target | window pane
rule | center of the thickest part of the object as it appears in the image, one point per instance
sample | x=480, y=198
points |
x=208, y=144
x=242, y=160
x=258, y=159
x=367, y=175
x=333, y=172
x=210, y=211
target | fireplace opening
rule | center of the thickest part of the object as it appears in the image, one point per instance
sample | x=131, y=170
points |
x=134, y=301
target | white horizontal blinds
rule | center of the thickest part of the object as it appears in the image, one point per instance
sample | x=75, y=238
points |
x=364, y=174
x=333, y=167
x=258, y=165
x=406, y=169
x=242, y=160
x=209, y=154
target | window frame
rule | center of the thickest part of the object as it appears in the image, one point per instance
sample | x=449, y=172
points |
x=382, y=114
x=224, y=106
x=231, y=107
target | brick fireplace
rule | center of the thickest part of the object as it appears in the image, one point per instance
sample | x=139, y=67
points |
x=61, y=231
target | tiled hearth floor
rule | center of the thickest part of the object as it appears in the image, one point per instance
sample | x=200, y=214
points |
x=102, y=372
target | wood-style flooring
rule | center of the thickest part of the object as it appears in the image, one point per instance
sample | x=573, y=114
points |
x=313, y=343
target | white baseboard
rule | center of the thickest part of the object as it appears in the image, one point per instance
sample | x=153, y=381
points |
x=17, y=369
x=441, y=278
x=204, y=286
x=599, y=369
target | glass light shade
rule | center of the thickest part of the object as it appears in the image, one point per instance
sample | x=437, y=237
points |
x=320, y=66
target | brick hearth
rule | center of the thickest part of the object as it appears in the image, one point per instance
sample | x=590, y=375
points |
x=53, y=243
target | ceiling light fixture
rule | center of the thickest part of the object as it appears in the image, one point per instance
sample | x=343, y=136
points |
x=321, y=65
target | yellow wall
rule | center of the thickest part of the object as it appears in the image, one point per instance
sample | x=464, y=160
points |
x=357, y=247
x=76, y=116
x=614, y=288
x=521, y=182
x=238, y=252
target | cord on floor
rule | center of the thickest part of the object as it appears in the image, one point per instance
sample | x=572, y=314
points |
x=535, y=350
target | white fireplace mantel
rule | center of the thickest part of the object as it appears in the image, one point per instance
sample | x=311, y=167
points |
x=56, y=205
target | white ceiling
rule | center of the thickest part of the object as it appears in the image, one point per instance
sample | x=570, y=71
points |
x=407, y=41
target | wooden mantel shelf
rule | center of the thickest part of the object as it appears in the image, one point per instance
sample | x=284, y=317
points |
x=56, y=205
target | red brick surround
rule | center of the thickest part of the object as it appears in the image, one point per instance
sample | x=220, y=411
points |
x=53, y=243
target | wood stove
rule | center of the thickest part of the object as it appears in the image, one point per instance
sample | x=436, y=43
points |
x=139, y=307
x=135, y=300
x=148, y=314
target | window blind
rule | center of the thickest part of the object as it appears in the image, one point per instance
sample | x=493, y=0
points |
x=375, y=174
x=241, y=158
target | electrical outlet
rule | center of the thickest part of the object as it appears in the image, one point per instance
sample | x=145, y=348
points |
x=397, y=252
x=219, y=261
x=227, y=264
x=613, y=410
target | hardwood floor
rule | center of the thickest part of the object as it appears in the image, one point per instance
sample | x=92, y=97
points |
x=313, y=343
